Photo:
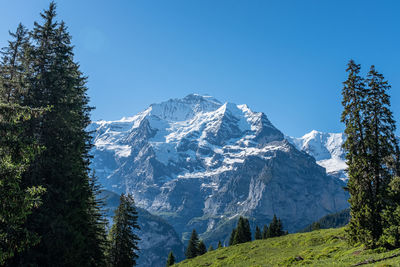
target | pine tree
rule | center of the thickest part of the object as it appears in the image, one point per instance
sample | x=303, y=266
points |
x=257, y=234
x=66, y=221
x=273, y=228
x=171, y=259
x=201, y=249
x=210, y=248
x=193, y=244
x=354, y=94
x=123, y=241
x=219, y=244
x=242, y=232
x=265, y=232
x=383, y=150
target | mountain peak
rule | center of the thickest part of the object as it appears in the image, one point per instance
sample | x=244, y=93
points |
x=180, y=109
x=196, y=98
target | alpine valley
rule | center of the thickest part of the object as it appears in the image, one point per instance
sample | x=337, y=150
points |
x=198, y=164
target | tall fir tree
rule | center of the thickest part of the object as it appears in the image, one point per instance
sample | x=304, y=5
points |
x=49, y=77
x=64, y=221
x=170, y=259
x=193, y=244
x=353, y=116
x=219, y=244
x=383, y=153
x=381, y=143
x=123, y=240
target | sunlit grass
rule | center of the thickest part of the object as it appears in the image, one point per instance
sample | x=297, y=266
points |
x=317, y=248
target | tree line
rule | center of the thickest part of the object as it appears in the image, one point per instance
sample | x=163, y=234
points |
x=50, y=214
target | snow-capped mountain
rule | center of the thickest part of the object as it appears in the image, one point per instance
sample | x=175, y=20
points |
x=200, y=163
x=327, y=149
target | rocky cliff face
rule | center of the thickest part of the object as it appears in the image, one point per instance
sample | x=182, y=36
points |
x=199, y=164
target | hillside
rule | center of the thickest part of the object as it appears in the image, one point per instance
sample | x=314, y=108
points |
x=317, y=248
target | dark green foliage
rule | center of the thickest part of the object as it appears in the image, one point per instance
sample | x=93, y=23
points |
x=275, y=228
x=201, y=249
x=171, y=259
x=16, y=202
x=265, y=232
x=123, y=241
x=210, y=248
x=257, y=234
x=219, y=244
x=372, y=153
x=334, y=220
x=242, y=232
x=193, y=244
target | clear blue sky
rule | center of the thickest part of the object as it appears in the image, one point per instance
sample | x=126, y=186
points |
x=285, y=58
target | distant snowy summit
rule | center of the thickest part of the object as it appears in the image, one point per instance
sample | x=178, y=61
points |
x=327, y=149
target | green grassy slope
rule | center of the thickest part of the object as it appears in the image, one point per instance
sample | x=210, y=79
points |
x=317, y=248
